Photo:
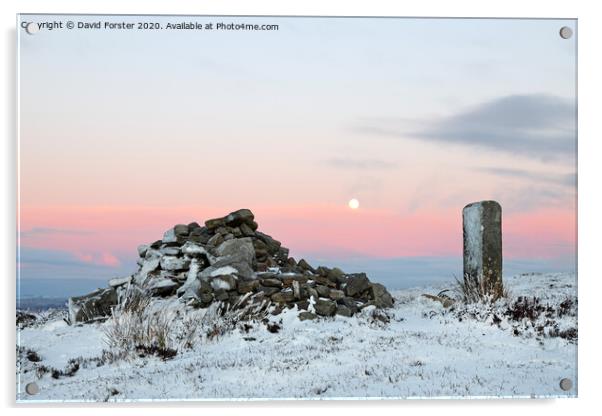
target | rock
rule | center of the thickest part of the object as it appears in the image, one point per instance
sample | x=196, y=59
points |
x=289, y=279
x=304, y=265
x=302, y=305
x=325, y=307
x=199, y=235
x=336, y=275
x=181, y=230
x=272, y=246
x=271, y=282
x=307, y=315
x=283, y=297
x=120, y=281
x=148, y=267
x=142, y=249
x=246, y=230
x=226, y=282
x=245, y=286
x=170, y=251
x=238, y=253
x=380, y=297
x=221, y=295
x=194, y=250
x=356, y=284
x=296, y=290
x=193, y=226
x=323, y=291
x=214, y=223
x=173, y=263
x=323, y=271
x=93, y=305
x=311, y=292
x=163, y=287
x=268, y=291
x=350, y=303
x=336, y=294
x=205, y=299
x=344, y=311
x=215, y=241
x=236, y=218
x=482, y=229
x=170, y=237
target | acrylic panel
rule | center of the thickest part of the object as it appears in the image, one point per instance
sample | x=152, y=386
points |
x=277, y=207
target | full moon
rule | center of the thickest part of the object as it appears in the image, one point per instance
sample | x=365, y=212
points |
x=354, y=203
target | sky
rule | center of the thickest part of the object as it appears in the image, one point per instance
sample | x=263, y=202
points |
x=125, y=133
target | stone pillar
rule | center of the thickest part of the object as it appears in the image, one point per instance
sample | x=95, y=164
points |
x=482, y=229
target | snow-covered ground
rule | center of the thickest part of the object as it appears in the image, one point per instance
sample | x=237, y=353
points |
x=424, y=350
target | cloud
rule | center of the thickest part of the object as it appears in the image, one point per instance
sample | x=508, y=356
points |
x=38, y=231
x=360, y=164
x=538, y=125
x=564, y=179
x=45, y=257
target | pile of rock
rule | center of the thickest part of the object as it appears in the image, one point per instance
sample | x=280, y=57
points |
x=228, y=260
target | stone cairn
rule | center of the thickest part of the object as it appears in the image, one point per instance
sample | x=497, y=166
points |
x=229, y=260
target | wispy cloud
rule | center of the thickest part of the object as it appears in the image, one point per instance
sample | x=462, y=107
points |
x=360, y=164
x=538, y=125
x=40, y=231
x=564, y=179
x=30, y=255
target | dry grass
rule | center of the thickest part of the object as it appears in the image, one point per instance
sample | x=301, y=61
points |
x=477, y=289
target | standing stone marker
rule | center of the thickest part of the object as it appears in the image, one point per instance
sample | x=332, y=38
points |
x=482, y=226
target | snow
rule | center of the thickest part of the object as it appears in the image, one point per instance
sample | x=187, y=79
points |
x=424, y=351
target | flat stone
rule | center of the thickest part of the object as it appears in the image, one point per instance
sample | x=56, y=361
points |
x=283, y=297
x=239, y=217
x=170, y=251
x=344, y=311
x=356, y=284
x=97, y=304
x=245, y=286
x=268, y=291
x=325, y=307
x=173, y=263
x=120, y=281
x=323, y=291
x=163, y=287
x=271, y=282
x=303, y=316
x=142, y=248
x=336, y=294
x=181, y=230
x=227, y=282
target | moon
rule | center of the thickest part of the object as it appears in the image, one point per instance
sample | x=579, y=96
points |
x=353, y=203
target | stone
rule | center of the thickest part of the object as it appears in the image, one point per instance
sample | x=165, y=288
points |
x=181, y=230
x=344, y=311
x=303, y=316
x=325, y=307
x=170, y=251
x=380, y=297
x=482, y=231
x=173, y=263
x=120, y=281
x=236, y=218
x=94, y=305
x=194, y=250
x=290, y=279
x=323, y=291
x=350, y=303
x=142, y=249
x=246, y=230
x=268, y=291
x=302, y=305
x=283, y=297
x=336, y=294
x=163, y=287
x=215, y=241
x=245, y=286
x=170, y=237
x=148, y=267
x=296, y=290
x=356, y=284
x=221, y=295
x=337, y=275
x=205, y=299
x=272, y=245
x=193, y=226
x=271, y=282
x=323, y=271
x=312, y=293
x=304, y=265
x=214, y=223
x=226, y=282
